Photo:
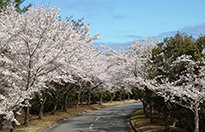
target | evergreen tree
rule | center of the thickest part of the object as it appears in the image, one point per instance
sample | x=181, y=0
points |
x=4, y=3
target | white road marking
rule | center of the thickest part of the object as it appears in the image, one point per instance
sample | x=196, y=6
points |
x=108, y=112
x=91, y=126
x=97, y=118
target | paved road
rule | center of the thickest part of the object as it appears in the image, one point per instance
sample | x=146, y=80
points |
x=113, y=119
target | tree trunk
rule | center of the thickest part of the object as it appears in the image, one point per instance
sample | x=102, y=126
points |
x=40, y=115
x=55, y=106
x=77, y=105
x=120, y=97
x=144, y=107
x=196, y=119
x=26, y=116
x=101, y=98
x=13, y=124
x=56, y=103
x=1, y=122
x=123, y=96
x=112, y=96
x=82, y=99
x=65, y=105
x=166, y=118
x=151, y=112
x=89, y=97
x=1, y=127
x=128, y=96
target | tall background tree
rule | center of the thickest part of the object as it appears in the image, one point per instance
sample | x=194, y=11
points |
x=4, y=3
x=179, y=71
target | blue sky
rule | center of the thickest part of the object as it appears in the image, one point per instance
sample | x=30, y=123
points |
x=122, y=21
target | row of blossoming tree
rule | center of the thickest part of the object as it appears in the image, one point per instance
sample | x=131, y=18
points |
x=40, y=50
x=172, y=69
x=43, y=54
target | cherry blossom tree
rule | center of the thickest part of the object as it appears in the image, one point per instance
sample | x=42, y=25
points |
x=71, y=68
x=188, y=90
x=35, y=48
x=127, y=68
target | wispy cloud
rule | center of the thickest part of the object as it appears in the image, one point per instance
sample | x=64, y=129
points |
x=119, y=16
x=165, y=34
x=194, y=30
x=191, y=30
x=134, y=36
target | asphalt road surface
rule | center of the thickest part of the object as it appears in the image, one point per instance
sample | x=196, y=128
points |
x=113, y=119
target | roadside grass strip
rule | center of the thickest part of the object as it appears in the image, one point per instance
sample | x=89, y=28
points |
x=143, y=124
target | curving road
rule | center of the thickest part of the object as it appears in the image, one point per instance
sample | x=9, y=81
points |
x=113, y=119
